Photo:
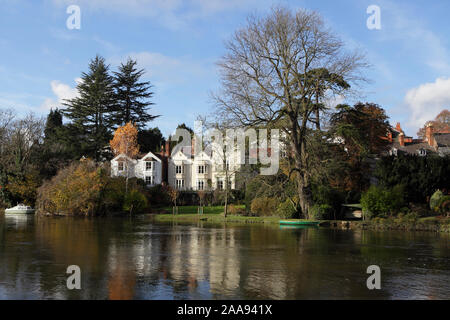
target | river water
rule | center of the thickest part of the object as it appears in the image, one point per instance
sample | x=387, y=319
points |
x=123, y=258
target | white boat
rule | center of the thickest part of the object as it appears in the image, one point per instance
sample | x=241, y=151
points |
x=20, y=209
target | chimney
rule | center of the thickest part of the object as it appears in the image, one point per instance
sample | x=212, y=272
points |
x=398, y=127
x=193, y=146
x=401, y=139
x=429, y=134
x=167, y=149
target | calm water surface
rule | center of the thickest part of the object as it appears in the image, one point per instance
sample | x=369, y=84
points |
x=123, y=258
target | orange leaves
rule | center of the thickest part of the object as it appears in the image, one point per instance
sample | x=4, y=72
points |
x=125, y=141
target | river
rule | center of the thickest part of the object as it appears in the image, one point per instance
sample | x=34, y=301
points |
x=135, y=258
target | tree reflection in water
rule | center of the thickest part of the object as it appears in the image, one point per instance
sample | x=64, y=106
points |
x=136, y=259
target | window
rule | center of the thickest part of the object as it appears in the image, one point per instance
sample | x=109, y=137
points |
x=180, y=184
x=179, y=169
x=202, y=169
x=148, y=165
x=149, y=180
x=220, y=184
x=393, y=152
x=200, y=185
x=422, y=152
x=121, y=166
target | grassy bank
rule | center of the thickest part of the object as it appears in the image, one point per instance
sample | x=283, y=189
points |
x=193, y=209
x=214, y=214
x=215, y=218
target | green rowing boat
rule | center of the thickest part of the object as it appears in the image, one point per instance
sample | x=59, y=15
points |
x=299, y=223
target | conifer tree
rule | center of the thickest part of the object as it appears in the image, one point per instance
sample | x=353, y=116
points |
x=132, y=96
x=91, y=111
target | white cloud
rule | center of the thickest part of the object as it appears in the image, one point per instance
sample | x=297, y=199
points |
x=61, y=91
x=174, y=14
x=427, y=101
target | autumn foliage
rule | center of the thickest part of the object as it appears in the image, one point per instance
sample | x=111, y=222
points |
x=125, y=141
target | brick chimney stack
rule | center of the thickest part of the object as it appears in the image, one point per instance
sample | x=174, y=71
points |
x=193, y=146
x=167, y=149
x=429, y=134
x=401, y=139
x=398, y=127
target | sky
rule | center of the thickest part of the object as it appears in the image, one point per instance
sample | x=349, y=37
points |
x=178, y=43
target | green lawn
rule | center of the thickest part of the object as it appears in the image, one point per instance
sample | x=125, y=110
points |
x=206, y=209
x=216, y=218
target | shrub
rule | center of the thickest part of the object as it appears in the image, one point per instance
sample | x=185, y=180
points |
x=286, y=210
x=135, y=202
x=84, y=188
x=444, y=205
x=264, y=206
x=379, y=201
x=75, y=190
x=435, y=200
x=234, y=210
x=321, y=212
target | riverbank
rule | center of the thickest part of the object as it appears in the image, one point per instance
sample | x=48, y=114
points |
x=432, y=224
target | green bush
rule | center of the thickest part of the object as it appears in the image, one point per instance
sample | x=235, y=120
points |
x=264, y=206
x=435, y=200
x=321, y=212
x=286, y=210
x=380, y=201
x=135, y=202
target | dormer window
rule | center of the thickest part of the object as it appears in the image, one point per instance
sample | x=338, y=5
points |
x=178, y=169
x=148, y=165
x=121, y=166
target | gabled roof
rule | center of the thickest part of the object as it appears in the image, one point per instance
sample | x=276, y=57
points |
x=180, y=155
x=151, y=155
x=122, y=155
x=202, y=156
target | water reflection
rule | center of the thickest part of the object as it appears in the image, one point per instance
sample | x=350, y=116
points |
x=136, y=259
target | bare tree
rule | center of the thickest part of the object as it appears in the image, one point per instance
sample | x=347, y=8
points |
x=276, y=71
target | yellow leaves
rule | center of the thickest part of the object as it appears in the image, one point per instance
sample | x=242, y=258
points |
x=125, y=141
x=75, y=190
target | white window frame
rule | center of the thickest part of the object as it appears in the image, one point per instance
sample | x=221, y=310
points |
x=152, y=180
x=147, y=163
x=200, y=185
x=179, y=184
x=120, y=166
x=178, y=167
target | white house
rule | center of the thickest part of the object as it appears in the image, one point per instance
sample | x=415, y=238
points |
x=180, y=171
x=147, y=167
x=200, y=172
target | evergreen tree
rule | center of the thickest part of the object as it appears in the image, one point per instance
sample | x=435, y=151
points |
x=132, y=96
x=150, y=140
x=54, y=122
x=91, y=111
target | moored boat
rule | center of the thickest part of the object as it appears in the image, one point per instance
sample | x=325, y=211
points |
x=20, y=209
x=299, y=223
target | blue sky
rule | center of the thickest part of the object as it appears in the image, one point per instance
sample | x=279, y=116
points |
x=178, y=43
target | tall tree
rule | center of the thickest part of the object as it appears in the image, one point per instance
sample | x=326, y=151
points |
x=440, y=123
x=361, y=134
x=90, y=112
x=267, y=79
x=132, y=96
